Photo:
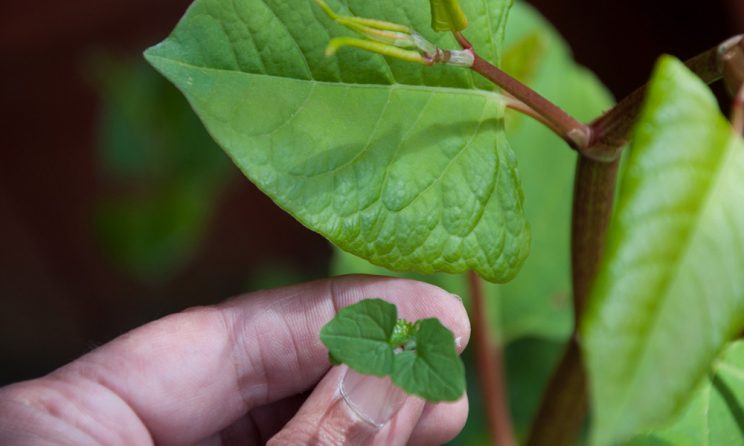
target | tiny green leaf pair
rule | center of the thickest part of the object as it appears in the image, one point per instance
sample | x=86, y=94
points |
x=419, y=357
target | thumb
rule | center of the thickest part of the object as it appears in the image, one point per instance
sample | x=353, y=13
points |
x=349, y=408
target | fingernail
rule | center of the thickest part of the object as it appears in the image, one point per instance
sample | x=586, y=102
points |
x=458, y=342
x=374, y=400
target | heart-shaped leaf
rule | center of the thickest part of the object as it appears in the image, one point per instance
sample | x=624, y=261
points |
x=669, y=293
x=402, y=164
x=433, y=370
x=359, y=336
x=420, y=358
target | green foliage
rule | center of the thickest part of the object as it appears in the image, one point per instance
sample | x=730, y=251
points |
x=402, y=164
x=420, y=358
x=406, y=167
x=537, y=302
x=668, y=295
x=162, y=166
x=714, y=415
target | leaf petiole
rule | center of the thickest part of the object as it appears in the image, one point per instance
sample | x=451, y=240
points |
x=392, y=40
x=374, y=47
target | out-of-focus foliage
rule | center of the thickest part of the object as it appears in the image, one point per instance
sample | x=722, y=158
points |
x=162, y=171
x=668, y=295
x=715, y=414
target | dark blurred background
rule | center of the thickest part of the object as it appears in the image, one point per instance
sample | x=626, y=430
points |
x=115, y=206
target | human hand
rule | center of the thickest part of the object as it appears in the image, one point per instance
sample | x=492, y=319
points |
x=238, y=373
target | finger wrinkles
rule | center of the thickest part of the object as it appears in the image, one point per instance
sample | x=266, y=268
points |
x=76, y=409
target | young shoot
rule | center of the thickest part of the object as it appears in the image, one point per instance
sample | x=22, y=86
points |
x=392, y=40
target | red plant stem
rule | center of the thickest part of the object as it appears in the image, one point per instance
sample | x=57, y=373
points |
x=490, y=365
x=517, y=105
x=737, y=112
x=565, y=396
x=594, y=192
x=611, y=131
x=575, y=133
x=565, y=402
x=605, y=138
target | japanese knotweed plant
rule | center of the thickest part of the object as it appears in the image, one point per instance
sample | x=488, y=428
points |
x=383, y=126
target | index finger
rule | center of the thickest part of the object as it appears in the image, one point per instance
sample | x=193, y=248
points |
x=189, y=375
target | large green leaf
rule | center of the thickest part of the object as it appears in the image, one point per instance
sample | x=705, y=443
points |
x=715, y=413
x=669, y=293
x=537, y=302
x=403, y=164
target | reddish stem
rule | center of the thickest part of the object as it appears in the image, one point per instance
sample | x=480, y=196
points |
x=490, y=365
x=737, y=112
x=611, y=131
x=565, y=402
x=576, y=134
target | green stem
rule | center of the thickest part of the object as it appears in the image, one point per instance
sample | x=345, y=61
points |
x=490, y=366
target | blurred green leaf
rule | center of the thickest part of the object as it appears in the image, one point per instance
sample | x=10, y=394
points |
x=160, y=167
x=529, y=365
x=669, y=294
x=714, y=415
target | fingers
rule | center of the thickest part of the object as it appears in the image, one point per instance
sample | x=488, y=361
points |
x=333, y=416
x=260, y=424
x=182, y=378
x=440, y=423
x=348, y=408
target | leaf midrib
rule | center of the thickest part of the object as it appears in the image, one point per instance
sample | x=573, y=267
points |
x=647, y=332
x=393, y=85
